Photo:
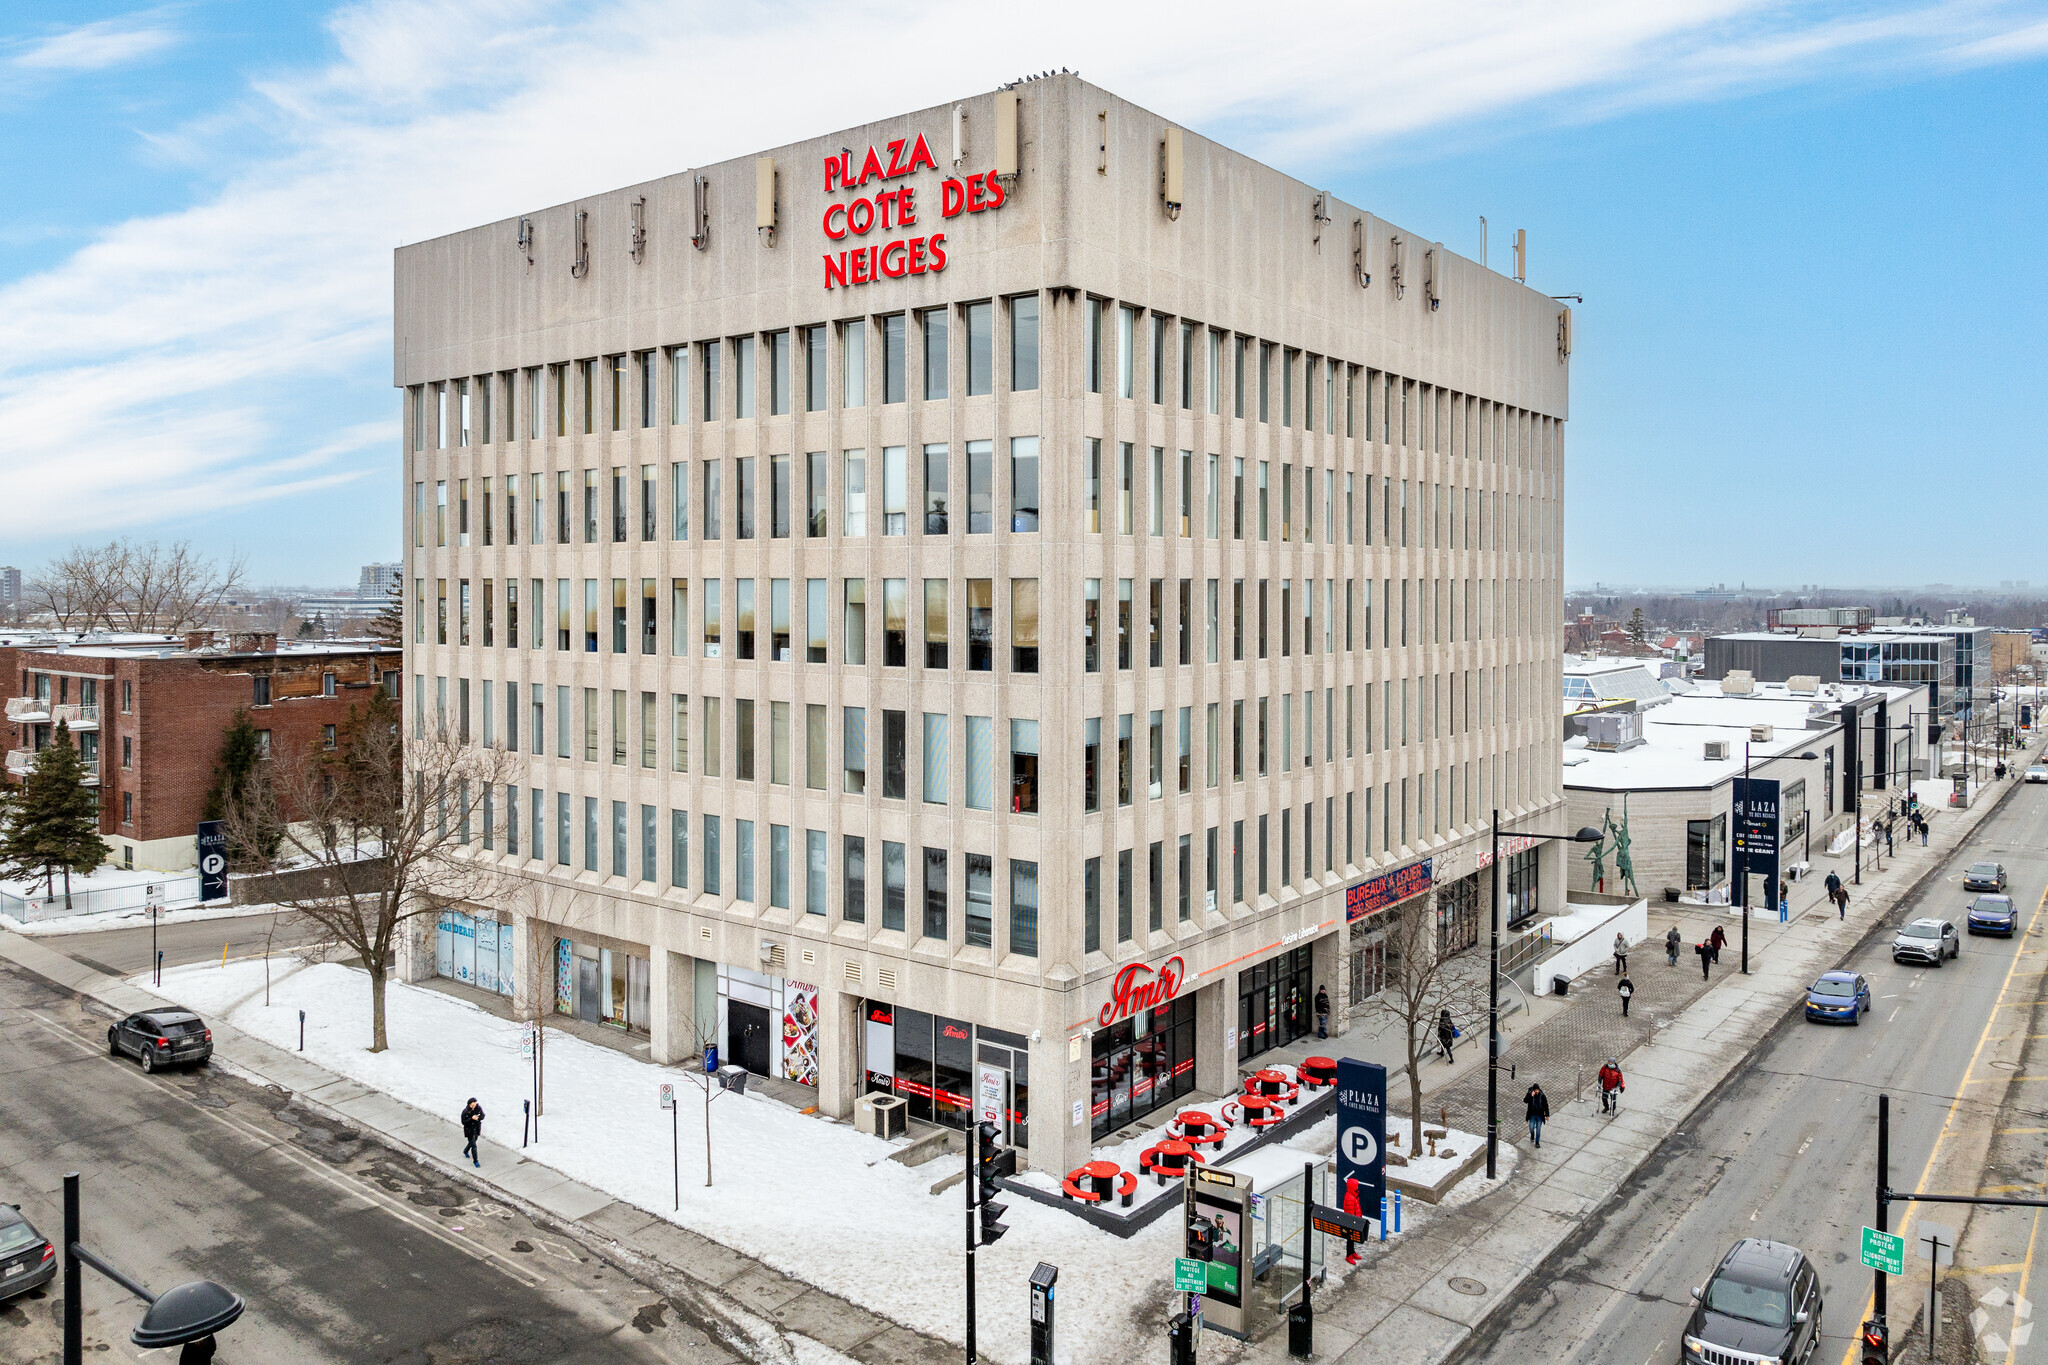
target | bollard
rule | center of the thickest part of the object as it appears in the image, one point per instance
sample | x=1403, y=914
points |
x=1383, y=1218
x=1397, y=1210
x=302, y=1030
x=525, y=1120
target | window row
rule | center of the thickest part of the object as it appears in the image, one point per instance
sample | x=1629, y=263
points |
x=574, y=832
x=1240, y=500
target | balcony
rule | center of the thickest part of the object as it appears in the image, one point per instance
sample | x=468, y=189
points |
x=28, y=710
x=20, y=761
x=78, y=715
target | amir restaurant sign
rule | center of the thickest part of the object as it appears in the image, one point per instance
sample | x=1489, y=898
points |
x=894, y=209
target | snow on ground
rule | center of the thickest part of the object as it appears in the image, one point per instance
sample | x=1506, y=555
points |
x=814, y=1199
x=128, y=919
x=105, y=877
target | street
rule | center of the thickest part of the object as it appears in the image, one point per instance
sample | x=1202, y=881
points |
x=344, y=1250
x=1785, y=1149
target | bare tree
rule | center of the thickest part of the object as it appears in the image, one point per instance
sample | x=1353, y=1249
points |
x=133, y=586
x=1425, y=978
x=379, y=832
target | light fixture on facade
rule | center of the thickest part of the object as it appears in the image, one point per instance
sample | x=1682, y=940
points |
x=580, y=267
x=1361, y=233
x=639, y=248
x=764, y=198
x=700, y=212
x=1172, y=172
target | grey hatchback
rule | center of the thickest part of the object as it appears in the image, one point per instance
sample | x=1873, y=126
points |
x=1763, y=1303
x=162, y=1037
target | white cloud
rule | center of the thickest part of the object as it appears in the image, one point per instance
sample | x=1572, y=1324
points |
x=95, y=46
x=186, y=355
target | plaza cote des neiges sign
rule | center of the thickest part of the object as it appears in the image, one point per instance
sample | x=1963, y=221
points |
x=894, y=209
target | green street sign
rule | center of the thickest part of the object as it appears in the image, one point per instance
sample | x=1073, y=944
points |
x=1884, y=1251
x=1189, y=1276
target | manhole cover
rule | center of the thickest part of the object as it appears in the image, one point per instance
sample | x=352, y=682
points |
x=1465, y=1284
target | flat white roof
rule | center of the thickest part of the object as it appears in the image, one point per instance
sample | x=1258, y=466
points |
x=1673, y=754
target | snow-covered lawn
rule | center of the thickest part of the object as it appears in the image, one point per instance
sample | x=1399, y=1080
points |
x=128, y=919
x=814, y=1199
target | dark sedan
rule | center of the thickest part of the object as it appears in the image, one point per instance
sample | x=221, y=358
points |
x=1985, y=877
x=27, y=1260
x=1994, y=915
x=162, y=1037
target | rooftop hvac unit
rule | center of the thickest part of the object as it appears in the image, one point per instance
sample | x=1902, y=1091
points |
x=1613, y=731
x=1803, y=684
x=1740, y=682
x=1759, y=734
x=1717, y=751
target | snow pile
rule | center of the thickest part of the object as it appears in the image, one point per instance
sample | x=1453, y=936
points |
x=814, y=1199
x=128, y=919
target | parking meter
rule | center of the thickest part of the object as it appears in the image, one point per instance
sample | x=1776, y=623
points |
x=1180, y=1339
x=1042, y=1280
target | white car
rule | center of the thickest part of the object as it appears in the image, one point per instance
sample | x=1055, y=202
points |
x=2037, y=773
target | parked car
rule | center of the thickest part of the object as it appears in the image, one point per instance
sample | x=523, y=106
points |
x=2037, y=772
x=27, y=1260
x=1985, y=877
x=162, y=1037
x=1994, y=915
x=1926, y=940
x=1763, y=1303
x=1838, y=997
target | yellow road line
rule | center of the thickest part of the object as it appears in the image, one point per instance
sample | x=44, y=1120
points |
x=1986, y=1080
x=2009, y=1189
x=1850, y=1356
x=1989, y=1269
x=2022, y=1130
x=2026, y=1271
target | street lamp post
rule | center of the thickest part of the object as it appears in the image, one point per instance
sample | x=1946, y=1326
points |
x=1586, y=835
x=1742, y=848
x=187, y=1315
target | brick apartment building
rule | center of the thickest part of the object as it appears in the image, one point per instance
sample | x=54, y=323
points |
x=148, y=713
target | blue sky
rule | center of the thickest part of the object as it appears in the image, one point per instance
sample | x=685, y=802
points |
x=1811, y=348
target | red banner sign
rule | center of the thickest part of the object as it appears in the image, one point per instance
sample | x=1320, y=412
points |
x=1377, y=893
x=894, y=208
x=1139, y=987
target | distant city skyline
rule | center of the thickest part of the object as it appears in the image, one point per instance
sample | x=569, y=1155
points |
x=1805, y=347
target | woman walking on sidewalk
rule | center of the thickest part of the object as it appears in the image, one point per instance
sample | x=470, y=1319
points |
x=1537, y=1105
x=1719, y=939
x=1706, y=952
x=1627, y=988
x=1620, y=955
x=472, y=1129
x=1671, y=942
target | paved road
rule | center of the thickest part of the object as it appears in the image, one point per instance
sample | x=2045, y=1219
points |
x=345, y=1251
x=1785, y=1149
x=125, y=952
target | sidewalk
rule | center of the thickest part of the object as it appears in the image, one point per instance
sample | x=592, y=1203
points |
x=759, y=1305
x=1682, y=1038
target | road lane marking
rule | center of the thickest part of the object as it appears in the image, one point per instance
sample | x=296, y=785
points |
x=1849, y=1357
x=2026, y=1270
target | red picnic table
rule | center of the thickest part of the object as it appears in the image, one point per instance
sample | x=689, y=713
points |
x=1094, y=1181
x=1170, y=1158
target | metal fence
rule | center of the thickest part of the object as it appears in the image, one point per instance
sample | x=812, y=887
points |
x=179, y=892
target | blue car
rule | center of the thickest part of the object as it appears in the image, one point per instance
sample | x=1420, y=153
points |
x=1838, y=998
x=1994, y=915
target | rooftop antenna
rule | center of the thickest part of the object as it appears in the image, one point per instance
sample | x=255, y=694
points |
x=1482, y=241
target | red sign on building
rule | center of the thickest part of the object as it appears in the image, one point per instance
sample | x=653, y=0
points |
x=895, y=208
x=1375, y=894
x=1139, y=987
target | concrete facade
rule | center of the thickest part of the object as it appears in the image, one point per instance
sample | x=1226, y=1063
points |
x=1258, y=390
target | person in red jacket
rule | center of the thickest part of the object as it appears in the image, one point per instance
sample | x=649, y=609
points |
x=1611, y=1087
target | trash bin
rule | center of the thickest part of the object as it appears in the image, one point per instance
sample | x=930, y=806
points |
x=711, y=1059
x=733, y=1078
x=1560, y=985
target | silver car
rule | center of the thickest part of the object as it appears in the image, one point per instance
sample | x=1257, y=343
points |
x=1926, y=940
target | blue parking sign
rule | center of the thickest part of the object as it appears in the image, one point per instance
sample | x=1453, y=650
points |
x=1362, y=1134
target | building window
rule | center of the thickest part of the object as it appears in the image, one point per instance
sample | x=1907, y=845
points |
x=1024, y=344
x=263, y=744
x=980, y=349
x=127, y=808
x=262, y=687
x=1024, y=908
x=326, y=742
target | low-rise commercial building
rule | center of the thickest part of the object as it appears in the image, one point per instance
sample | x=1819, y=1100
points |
x=1926, y=659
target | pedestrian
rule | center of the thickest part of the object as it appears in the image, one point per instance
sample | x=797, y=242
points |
x=1887, y=838
x=1446, y=1034
x=1611, y=1086
x=1834, y=886
x=1784, y=897
x=1719, y=938
x=1627, y=988
x=1620, y=955
x=1671, y=945
x=472, y=1129
x=1923, y=831
x=1353, y=1207
x=1706, y=956
x=1322, y=1012
x=1536, y=1105
x=1841, y=902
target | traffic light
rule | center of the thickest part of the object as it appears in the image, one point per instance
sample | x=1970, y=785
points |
x=1876, y=1342
x=992, y=1162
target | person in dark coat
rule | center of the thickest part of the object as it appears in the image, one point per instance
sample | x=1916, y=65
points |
x=1536, y=1105
x=1706, y=952
x=1719, y=940
x=1322, y=1012
x=1627, y=988
x=1446, y=1034
x=1672, y=940
x=472, y=1129
x=1834, y=889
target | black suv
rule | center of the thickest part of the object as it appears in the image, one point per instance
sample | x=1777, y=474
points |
x=162, y=1037
x=1762, y=1303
